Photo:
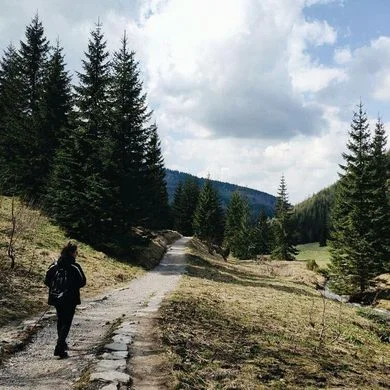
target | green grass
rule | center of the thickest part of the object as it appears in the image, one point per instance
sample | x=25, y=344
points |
x=313, y=251
x=264, y=326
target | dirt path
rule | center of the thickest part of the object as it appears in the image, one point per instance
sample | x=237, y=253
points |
x=36, y=367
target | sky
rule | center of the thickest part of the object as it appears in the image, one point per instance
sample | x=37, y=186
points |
x=242, y=90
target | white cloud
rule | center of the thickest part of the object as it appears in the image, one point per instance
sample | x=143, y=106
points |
x=308, y=75
x=367, y=69
x=342, y=56
x=382, y=89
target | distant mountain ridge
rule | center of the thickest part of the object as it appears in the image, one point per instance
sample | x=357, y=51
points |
x=257, y=199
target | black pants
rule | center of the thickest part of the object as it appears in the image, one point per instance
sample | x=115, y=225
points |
x=65, y=315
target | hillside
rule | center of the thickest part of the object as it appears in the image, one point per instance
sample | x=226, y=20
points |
x=257, y=199
x=311, y=217
x=37, y=243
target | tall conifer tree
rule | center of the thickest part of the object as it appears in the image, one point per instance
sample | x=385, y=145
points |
x=237, y=232
x=92, y=93
x=379, y=208
x=352, y=253
x=178, y=208
x=11, y=121
x=189, y=203
x=262, y=235
x=34, y=55
x=55, y=113
x=156, y=195
x=28, y=137
x=208, y=218
x=83, y=159
x=284, y=248
x=129, y=136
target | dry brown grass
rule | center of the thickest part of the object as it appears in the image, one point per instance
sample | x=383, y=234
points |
x=21, y=289
x=264, y=326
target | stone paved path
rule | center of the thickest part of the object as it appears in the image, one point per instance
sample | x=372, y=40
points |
x=36, y=368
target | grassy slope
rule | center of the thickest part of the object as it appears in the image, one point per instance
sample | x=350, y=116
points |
x=261, y=326
x=21, y=290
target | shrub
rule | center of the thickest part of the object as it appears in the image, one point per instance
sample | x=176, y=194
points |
x=312, y=265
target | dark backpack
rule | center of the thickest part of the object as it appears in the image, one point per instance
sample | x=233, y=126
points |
x=60, y=286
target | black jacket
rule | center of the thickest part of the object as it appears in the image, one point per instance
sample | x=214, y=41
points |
x=77, y=278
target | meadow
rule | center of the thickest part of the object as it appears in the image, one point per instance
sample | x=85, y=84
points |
x=264, y=325
x=313, y=251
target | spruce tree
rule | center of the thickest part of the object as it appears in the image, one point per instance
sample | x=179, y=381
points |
x=66, y=199
x=34, y=55
x=25, y=128
x=208, y=217
x=78, y=201
x=55, y=113
x=189, y=203
x=92, y=93
x=178, y=207
x=84, y=157
x=284, y=248
x=156, y=195
x=352, y=253
x=130, y=138
x=379, y=202
x=11, y=121
x=262, y=235
x=237, y=232
x=94, y=121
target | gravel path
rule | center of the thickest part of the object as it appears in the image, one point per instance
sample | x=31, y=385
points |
x=37, y=368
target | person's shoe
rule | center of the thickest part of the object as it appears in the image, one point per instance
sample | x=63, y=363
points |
x=63, y=355
x=66, y=348
x=57, y=351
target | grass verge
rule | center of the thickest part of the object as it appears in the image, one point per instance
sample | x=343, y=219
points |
x=241, y=325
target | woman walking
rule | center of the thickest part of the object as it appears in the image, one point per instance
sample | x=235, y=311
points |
x=64, y=278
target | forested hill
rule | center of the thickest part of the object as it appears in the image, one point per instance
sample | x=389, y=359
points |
x=257, y=199
x=311, y=217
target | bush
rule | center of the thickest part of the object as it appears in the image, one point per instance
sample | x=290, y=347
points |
x=312, y=265
x=325, y=272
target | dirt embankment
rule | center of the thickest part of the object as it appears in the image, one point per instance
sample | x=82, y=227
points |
x=157, y=243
